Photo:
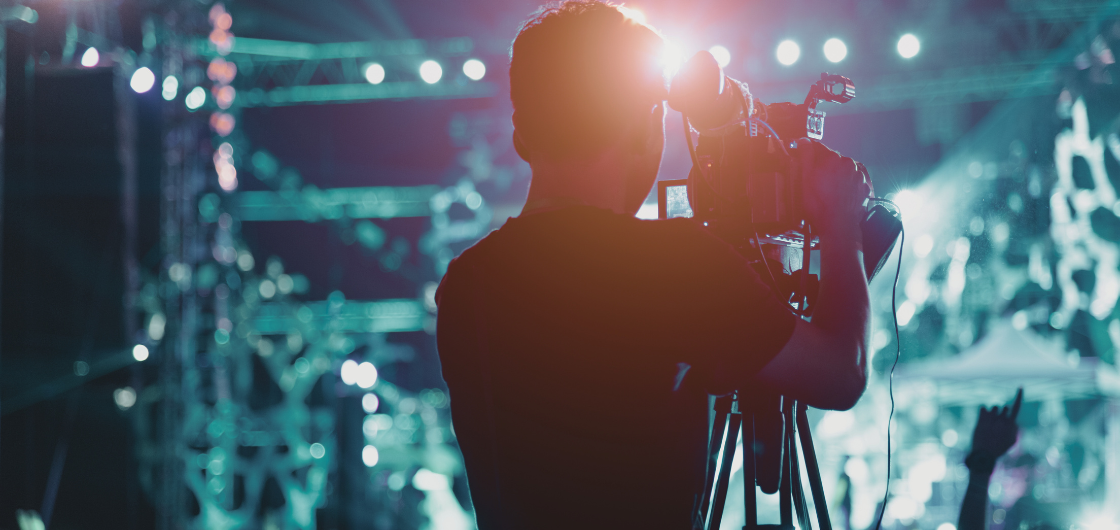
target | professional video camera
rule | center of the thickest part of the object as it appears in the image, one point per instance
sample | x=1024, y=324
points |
x=746, y=188
x=744, y=183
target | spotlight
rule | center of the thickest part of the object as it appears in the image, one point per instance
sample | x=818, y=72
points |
x=788, y=52
x=909, y=46
x=142, y=80
x=474, y=69
x=90, y=58
x=430, y=71
x=722, y=55
x=835, y=50
x=374, y=73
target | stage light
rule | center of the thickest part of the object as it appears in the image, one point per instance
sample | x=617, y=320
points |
x=195, y=98
x=722, y=55
x=142, y=80
x=90, y=58
x=430, y=71
x=140, y=352
x=370, y=403
x=374, y=73
x=366, y=375
x=474, y=69
x=909, y=46
x=349, y=372
x=170, y=87
x=788, y=52
x=370, y=456
x=835, y=50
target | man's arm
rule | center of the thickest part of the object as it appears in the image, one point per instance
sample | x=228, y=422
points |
x=824, y=364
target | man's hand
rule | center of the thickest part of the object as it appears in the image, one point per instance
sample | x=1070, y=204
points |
x=996, y=430
x=835, y=188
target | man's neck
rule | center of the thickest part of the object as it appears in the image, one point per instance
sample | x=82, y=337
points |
x=592, y=182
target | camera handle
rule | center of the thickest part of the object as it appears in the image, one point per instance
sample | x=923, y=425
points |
x=731, y=415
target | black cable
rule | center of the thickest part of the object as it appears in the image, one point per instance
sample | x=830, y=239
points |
x=890, y=378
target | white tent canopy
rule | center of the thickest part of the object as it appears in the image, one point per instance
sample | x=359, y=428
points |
x=991, y=370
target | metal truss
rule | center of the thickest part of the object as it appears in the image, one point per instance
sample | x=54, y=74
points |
x=276, y=73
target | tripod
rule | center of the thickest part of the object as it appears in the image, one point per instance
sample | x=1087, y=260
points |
x=770, y=460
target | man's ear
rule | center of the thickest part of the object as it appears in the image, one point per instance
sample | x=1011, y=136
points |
x=520, y=147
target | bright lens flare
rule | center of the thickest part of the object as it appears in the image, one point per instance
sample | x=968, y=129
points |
x=722, y=55
x=671, y=58
x=633, y=14
x=788, y=52
x=474, y=69
x=909, y=46
x=835, y=50
x=430, y=72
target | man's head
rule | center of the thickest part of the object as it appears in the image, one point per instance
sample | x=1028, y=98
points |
x=584, y=78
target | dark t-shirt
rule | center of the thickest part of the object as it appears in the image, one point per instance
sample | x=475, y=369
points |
x=584, y=403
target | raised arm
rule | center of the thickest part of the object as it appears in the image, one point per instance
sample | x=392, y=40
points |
x=996, y=431
x=824, y=364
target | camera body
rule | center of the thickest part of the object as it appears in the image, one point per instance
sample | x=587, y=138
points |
x=745, y=183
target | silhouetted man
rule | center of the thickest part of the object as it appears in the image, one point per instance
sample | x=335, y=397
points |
x=579, y=343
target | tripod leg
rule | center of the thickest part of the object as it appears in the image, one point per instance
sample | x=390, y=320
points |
x=722, y=409
x=750, y=499
x=724, y=472
x=784, y=488
x=798, y=491
x=813, y=469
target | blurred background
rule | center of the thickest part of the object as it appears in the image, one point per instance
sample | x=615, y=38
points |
x=224, y=223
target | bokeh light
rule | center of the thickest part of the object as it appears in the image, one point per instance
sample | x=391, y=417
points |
x=370, y=456
x=142, y=80
x=722, y=55
x=349, y=372
x=374, y=73
x=370, y=403
x=317, y=450
x=366, y=375
x=170, y=87
x=909, y=46
x=835, y=50
x=474, y=69
x=430, y=71
x=788, y=52
x=195, y=98
x=140, y=352
x=90, y=58
x=125, y=397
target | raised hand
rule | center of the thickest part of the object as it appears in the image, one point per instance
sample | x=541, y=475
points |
x=996, y=430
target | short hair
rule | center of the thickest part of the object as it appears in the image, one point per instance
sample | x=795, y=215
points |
x=580, y=72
